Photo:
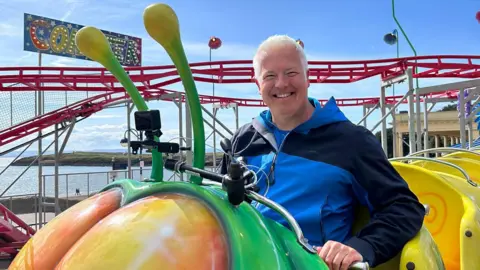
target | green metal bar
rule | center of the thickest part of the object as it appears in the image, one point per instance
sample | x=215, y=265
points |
x=179, y=59
x=162, y=25
x=406, y=37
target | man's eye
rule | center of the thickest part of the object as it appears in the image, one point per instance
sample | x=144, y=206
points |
x=293, y=73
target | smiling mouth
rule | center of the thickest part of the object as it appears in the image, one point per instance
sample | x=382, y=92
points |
x=285, y=95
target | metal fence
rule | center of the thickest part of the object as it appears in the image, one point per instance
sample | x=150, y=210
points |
x=71, y=185
x=72, y=188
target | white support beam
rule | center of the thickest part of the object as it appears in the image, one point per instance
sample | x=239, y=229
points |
x=397, y=79
x=449, y=86
x=411, y=113
x=438, y=100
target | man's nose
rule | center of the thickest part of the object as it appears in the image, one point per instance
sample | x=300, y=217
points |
x=281, y=81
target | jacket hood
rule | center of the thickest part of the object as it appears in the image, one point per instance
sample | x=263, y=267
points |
x=328, y=114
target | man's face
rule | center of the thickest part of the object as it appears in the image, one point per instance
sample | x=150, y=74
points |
x=283, y=84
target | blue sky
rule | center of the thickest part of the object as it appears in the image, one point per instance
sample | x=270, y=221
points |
x=331, y=30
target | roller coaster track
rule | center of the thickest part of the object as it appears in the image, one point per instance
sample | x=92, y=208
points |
x=151, y=81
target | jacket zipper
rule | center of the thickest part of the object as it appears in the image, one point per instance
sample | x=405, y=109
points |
x=274, y=160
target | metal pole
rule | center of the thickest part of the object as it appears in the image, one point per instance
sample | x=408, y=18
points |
x=394, y=132
x=214, y=137
x=383, y=132
x=366, y=113
x=418, y=135
x=426, y=143
x=39, y=161
x=188, y=131
x=235, y=109
x=129, y=157
x=462, y=117
x=57, y=205
x=180, y=125
x=411, y=113
x=470, y=133
x=364, y=119
x=408, y=94
x=214, y=112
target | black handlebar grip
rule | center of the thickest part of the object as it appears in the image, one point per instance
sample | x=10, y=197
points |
x=169, y=164
x=235, y=171
x=234, y=185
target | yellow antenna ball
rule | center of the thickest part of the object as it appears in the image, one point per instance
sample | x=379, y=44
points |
x=161, y=23
x=93, y=44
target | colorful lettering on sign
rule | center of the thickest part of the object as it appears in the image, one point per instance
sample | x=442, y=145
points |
x=133, y=51
x=59, y=38
x=56, y=37
x=71, y=47
x=37, y=34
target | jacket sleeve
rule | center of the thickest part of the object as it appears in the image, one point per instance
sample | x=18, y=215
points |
x=396, y=213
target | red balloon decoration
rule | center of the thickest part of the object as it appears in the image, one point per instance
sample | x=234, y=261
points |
x=478, y=16
x=301, y=43
x=214, y=43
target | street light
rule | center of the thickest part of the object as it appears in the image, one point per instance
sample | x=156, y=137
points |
x=214, y=43
x=124, y=141
x=392, y=39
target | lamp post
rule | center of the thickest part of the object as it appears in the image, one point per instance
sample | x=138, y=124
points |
x=214, y=43
x=125, y=142
x=392, y=39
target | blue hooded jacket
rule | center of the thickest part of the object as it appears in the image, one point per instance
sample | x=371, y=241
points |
x=320, y=171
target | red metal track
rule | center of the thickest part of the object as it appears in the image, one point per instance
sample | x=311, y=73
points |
x=14, y=232
x=72, y=79
x=151, y=80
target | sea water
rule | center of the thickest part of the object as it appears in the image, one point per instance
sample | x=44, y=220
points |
x=85, y=179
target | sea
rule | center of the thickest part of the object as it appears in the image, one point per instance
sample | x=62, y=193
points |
x=84, y=179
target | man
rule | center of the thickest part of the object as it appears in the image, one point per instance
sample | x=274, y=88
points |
x=318, y=165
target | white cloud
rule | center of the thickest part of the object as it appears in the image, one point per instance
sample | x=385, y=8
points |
x=10, y=30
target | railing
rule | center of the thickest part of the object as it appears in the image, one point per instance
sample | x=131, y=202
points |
x=72, y=188
x=23, y=206
x=81, y=185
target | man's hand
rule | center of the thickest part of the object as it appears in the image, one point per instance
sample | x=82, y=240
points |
x=338, y=256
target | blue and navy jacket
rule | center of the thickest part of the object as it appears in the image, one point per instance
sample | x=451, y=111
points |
x=320, y=171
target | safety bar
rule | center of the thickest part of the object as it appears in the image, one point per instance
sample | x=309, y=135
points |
x=465, y=174
x=443, y=150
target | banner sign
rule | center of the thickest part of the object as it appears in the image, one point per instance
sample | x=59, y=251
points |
x=56, y=37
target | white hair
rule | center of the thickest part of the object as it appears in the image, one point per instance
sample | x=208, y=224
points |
x=274, y=41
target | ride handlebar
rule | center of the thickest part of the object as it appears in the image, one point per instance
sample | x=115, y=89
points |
x=181, y=166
